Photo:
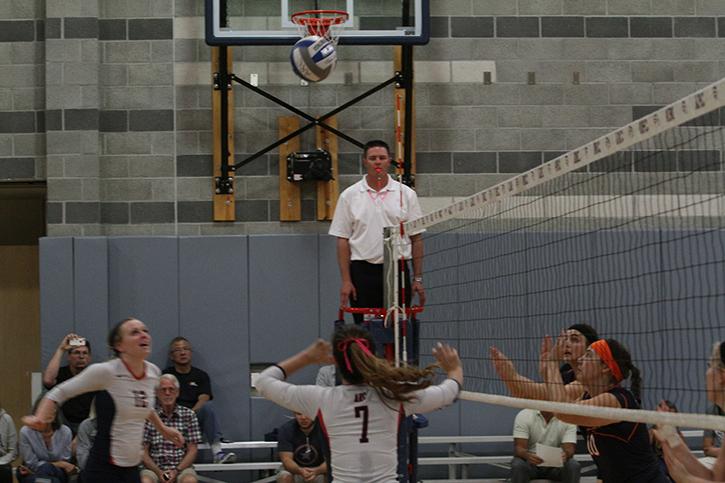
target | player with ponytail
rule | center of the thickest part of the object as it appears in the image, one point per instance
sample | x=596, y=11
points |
x=360, y=418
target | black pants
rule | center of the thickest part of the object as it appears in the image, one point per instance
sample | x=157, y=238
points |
x=103, y=472
x=6, y=474
x=370, y=287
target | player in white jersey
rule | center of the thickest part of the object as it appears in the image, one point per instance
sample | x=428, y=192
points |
x=361, y=417
x=126, y=399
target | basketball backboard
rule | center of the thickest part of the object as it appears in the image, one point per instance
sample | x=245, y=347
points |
x=268, y=22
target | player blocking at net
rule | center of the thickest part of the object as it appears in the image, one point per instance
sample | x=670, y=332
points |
x=683, y=466
x=360, y=418
x=621, y=449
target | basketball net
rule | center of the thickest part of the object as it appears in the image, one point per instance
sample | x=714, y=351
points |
x=322, y=23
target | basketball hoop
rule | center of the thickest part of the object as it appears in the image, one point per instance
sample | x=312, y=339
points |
x=322, y=23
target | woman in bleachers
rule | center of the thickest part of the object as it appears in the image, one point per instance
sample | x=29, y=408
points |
x=8, y=446
x=46, y=453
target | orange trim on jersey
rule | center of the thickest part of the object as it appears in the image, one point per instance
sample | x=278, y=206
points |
x=138, y=378
x=620, y=438
x=605, y=354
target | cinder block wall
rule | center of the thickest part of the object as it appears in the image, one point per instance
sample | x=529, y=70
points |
x=110, y=100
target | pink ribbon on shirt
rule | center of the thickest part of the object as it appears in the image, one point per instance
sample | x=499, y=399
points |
x=363, y=344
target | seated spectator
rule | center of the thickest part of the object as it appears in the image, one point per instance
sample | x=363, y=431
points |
x=164, y=461
x=8, y=446
x=712, y=440
x=75, y=410
x=195, y=393
x=46, y=454
x=303, y=450
x=327, y=376
x=84, y=439
x=532, y=427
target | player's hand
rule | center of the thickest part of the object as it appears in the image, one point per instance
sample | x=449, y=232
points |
x=675, y=468
x=502, y=364
x=320, y=352
x=418, y=289
x=173, y=435
x=447, y=357
x=347, y=293
x=34, y=422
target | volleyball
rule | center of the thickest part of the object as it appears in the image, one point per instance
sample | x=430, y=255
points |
x=313, y=58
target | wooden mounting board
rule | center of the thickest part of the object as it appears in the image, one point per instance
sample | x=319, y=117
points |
x=290, y=194
x=328, y=191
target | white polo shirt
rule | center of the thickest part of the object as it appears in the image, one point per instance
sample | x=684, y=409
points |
x=362, y=213
x=530, y=424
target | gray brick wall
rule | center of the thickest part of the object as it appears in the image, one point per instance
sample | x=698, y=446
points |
x=110, y=101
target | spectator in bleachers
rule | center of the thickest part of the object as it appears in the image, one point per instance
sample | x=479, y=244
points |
x=302, y=450
x=532, y=427
x=712, y=440
x=8, y=446
x=195, y=394
x=327, y=376
x=46, y=454
x=84, y=439
x=163, y=460
x=75, y=410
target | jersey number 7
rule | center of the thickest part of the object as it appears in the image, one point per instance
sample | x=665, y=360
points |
x=364, y=411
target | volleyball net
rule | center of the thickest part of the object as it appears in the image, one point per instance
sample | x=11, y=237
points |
x=624, y=233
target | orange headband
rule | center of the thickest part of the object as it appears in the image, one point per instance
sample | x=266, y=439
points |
x=605, y=354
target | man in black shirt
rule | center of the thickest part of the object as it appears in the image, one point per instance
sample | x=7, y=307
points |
x=195, y=393
x=302, y=450
x=75, y=410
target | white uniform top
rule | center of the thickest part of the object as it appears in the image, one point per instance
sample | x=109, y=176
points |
x=531, y=425
x=362, y=213
x=122, y=406
x=362, y=428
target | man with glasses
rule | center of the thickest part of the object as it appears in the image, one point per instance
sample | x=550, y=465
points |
x=75, y=410
x=195, y=394
x=163, y=460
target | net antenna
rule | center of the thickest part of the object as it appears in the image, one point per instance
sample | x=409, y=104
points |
x=322, y=23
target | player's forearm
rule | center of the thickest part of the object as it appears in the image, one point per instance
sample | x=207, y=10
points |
x=555, y=389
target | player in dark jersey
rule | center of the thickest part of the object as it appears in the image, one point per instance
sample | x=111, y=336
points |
x=127, y=384
x=575, y=341
x=621, y=449
x=681, y=463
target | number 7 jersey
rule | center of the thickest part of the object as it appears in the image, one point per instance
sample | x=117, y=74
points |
x=362, y=428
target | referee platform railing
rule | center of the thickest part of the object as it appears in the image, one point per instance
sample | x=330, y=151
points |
x=457, y=460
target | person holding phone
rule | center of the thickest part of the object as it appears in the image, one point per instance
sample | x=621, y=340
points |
x=78, y=349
